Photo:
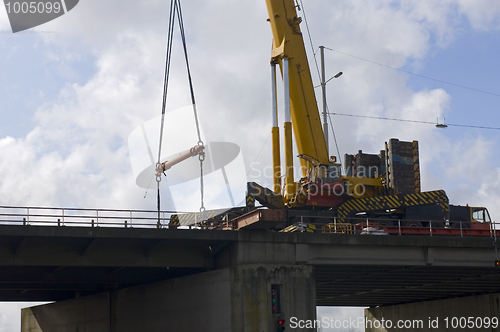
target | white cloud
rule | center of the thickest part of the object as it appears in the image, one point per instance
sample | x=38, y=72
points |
x=80, y=138
x=76, y=153
x=487, y=194
x=10, y=315
x=345, y=318
x=4, y=21
x=482, y=14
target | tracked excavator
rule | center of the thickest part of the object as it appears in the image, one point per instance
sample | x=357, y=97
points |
x=381, y=185
x=384, y=186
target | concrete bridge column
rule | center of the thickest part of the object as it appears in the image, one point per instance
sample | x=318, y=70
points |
x=237, y=298
x=472, y=313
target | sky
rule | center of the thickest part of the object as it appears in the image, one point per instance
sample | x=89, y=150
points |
x=73, y=91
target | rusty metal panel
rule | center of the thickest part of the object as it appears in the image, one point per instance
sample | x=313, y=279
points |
x=261, y=219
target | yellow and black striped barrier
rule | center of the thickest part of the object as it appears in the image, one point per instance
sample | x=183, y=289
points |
x=353, y=206
x=186, y=219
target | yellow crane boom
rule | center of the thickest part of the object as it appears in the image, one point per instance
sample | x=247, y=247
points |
x=288, y=46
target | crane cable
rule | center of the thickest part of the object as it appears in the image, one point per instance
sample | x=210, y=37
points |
x=201, y=156
x=175, y=8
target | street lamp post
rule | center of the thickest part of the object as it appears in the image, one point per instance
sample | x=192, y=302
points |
x=323, y=90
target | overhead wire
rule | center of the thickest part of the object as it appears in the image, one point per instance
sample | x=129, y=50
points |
x=414, y=121
x=415, y=74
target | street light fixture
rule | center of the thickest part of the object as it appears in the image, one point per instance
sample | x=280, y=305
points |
x=336, y=76
x=441, y=125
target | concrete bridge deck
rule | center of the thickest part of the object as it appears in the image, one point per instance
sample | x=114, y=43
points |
x=51, y=263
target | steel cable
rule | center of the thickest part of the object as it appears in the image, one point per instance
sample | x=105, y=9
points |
x=201, y=156
x=168, y=55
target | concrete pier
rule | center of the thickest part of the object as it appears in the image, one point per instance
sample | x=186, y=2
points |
x=230, y=299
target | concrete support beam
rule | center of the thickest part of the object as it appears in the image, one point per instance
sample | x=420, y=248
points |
x=472, y=313
x=251, y=296
x=231, y=299
x=90, y=313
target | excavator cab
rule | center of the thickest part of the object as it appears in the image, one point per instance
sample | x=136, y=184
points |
x=323, y=186
x=480, y=214
x=324, y=174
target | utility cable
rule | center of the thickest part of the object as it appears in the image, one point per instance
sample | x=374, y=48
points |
x=414, y=121
x=415, y=74
x=380, y=118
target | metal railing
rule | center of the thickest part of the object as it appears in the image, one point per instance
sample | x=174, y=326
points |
x=48, y=216
x=380, y=226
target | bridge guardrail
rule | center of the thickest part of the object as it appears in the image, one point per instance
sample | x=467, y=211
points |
x=380, y=226
x=48, y=216
x=84, y=217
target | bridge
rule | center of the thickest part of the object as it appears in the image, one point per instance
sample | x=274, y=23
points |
x=76, y=264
